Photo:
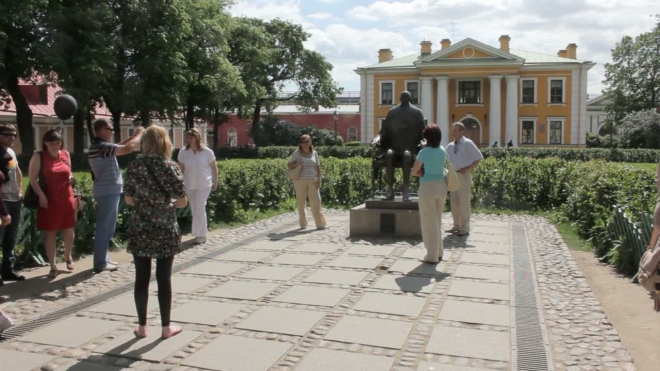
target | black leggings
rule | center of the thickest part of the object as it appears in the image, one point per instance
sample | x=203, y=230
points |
x=163, y=277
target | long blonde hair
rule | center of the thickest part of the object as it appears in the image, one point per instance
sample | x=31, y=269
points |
x=157, y=140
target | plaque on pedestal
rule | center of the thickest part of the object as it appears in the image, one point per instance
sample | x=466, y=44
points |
x=380, y=218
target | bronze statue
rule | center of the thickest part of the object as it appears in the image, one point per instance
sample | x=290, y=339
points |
x=400, y=138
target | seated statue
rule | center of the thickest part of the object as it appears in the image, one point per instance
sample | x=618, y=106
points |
x=399, y=142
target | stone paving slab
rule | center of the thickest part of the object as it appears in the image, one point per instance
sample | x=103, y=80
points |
x=245, y=256
x=272, y=273
x=491, y=259
x=429, y=366
x=298, y=259
x=477, y=313
x=414, y=253
x=87, y=366
x=215, y=268
x=371, y=331
x=268, y=245
x=498, y=248
x=491, y=238
x=317, y=247
x=400, y=305
x=371, y=250
x=284, y=321
x=332, y=360
x=322, y=296
x=152, y=348
x=184, y=285
x=204, y=312
x=412, y=267
x=405, y=283
x=339, y=277
x=19, y=361
x=464, y=342
x=482, y=290
x=355, y=262
x=71, y=332
x=124, y=305
x=484, y=273
x=228, y=353
x=242, y=290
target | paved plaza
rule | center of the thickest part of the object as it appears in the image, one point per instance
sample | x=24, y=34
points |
x=267, y=297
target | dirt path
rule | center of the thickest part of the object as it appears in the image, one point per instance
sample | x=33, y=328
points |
x=628, y=307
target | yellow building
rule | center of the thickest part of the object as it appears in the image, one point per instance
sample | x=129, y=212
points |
x=502, y=95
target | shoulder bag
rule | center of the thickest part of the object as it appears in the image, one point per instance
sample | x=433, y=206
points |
x=294, y=174
x=453, y=183
x=30, y=198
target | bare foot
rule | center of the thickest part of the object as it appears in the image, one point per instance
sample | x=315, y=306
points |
x=140, y=332
x=170, y=331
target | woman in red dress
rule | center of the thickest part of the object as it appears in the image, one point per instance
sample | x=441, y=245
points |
x=57, y=210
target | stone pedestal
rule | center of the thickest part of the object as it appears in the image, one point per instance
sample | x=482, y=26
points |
x=378, y=218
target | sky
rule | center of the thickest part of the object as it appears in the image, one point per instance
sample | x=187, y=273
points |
x=349, y=33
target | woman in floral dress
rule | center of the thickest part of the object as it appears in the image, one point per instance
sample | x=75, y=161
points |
x=154, y=186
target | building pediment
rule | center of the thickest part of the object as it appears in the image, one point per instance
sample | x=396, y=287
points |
x=469, y=50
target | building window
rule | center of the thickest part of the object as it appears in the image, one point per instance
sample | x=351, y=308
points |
x=209, y=139
x=527, y=132
x=528, y=91
x=386, y=93
x=351, y=135
x=232, y=137
x=413, y=88
x=469, y=92
x=556, y=91
x=556, y=131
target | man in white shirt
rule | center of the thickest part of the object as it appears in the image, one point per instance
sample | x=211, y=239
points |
x=464, y=156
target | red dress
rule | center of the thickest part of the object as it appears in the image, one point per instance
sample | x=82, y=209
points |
x=61, y=213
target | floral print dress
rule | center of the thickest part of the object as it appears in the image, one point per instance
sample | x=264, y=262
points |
x=154, y=231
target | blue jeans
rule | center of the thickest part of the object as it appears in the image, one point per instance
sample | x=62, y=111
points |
x=107, y=208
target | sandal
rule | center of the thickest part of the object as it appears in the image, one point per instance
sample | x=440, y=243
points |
x=53, y=273
x=69, y=264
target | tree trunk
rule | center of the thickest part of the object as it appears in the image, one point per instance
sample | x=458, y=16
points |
x=90, y=128
x=145, y=118
x=116, y=125
x=256, y=114
x=23, y=114
x=216, y=124
x=190, y=116
x=79, y=130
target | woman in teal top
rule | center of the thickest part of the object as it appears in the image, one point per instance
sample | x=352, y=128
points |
x=430, y=167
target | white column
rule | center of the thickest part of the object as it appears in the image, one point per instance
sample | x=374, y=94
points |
x=369, y=109
x=512, y=109
x=442, y=116
x=363, y=105
x=495, y=114
x=427, y=97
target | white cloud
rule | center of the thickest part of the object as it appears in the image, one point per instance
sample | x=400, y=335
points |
x=330, y=1
x=270, y=9
x=320, y=16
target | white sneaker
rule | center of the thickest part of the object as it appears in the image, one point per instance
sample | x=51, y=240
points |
x=200, y=240
x=108, y=267
x=5, y=322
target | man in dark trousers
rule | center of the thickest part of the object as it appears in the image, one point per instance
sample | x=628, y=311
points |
x=12, y=193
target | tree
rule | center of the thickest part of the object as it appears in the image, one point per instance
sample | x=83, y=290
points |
x=633, y=77
x=80, y=55
x=21, y=54
x=271, y=55
x=213, y=79
x=640, y=130
x=271, y=131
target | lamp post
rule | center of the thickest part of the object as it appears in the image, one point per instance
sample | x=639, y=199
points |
x=336, y=117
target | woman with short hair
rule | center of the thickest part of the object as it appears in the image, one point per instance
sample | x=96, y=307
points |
x=154, y=186
x=200, y=172
x=430, y=167
x=57, y=204
x=309, y=183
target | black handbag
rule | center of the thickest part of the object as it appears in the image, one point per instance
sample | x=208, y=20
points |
x=31, y=199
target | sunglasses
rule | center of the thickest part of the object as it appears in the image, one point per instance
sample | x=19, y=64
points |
x=8, y=135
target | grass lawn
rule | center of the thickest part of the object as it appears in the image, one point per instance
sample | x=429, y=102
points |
x=652, y=167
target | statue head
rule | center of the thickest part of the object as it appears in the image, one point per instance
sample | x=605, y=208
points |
x=405, y=98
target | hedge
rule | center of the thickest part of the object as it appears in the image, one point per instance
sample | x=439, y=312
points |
x=583, y=192
x=79, y=161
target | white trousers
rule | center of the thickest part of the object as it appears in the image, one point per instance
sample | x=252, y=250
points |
x=305, y=189
x=432, y=198
x=197, y=200
x=461, y=210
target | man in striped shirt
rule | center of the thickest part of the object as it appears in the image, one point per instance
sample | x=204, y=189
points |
x=107, y=188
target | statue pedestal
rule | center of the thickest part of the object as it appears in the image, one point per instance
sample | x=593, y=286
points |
x=378, y=218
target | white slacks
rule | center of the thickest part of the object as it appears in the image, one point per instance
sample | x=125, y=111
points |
x=432, y=198
x=197, y=199
x=461, y=210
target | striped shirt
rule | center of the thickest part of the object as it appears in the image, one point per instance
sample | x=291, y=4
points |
x=102, y=157
x=309, y=164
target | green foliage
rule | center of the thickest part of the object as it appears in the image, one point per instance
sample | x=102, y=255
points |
x=602, y=141
x=272, y=131
x=640, y=130
x=353, y=144
x=633, y=77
